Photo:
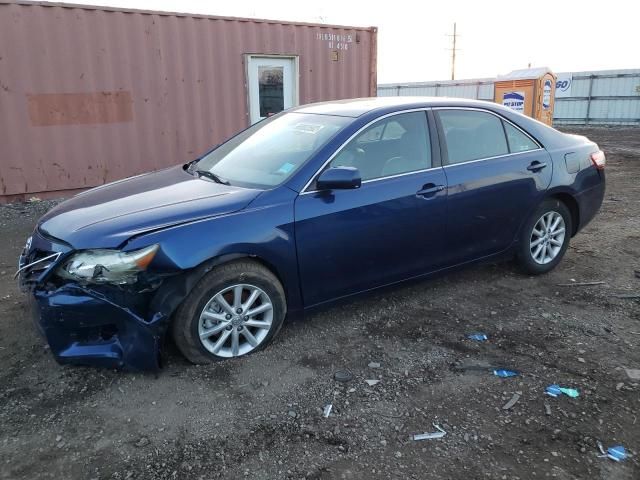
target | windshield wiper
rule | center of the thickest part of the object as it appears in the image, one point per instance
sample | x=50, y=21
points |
x=212, y=176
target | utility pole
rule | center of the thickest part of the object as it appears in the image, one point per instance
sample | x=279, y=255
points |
x=453, y=53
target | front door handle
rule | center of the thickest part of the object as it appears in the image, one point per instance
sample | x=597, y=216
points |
x=536, y=166
x=429, y=190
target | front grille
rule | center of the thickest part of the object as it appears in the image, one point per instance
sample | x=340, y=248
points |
x=40, y=256
x=36, y=263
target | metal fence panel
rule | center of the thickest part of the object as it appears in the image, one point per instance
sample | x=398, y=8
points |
x=486, y=92
x=604, y=97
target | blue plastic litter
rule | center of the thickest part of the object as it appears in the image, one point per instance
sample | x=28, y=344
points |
x=557, y=390
x=554, y=390
x=570, y=392
x=478, y=337
x=505, y=373
x=617, y=453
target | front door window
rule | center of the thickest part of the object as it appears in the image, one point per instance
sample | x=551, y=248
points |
x=392, y=146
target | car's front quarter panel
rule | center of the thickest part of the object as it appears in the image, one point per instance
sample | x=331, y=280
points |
x=264, y=230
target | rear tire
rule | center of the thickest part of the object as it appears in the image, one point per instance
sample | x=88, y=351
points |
x=544, y=238
x=216, y=322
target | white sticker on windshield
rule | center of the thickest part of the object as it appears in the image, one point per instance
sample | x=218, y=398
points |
x=308, y=127
x=286, y=168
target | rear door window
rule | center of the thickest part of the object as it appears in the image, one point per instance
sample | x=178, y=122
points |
x=472, y=135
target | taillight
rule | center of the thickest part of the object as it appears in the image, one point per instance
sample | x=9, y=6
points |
x=599, y=160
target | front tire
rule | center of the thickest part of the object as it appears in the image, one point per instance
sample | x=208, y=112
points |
x=545, y=237
x=235, y=309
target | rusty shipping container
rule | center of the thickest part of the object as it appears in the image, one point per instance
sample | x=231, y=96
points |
x=89, y=95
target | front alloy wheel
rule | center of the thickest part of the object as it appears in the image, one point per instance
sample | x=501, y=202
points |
x=234, y=310
x=235, y=320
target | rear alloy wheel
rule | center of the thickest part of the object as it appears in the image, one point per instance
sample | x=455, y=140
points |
x=545, y=237
x=235, y=309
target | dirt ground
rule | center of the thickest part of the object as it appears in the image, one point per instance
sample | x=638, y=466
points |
x=261, y=416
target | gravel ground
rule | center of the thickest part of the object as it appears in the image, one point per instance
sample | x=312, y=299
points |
x=261, y=416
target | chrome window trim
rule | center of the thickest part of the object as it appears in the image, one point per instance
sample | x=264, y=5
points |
x=346, y=142
x=504, y=119
x=490, y=158
x=398, y=175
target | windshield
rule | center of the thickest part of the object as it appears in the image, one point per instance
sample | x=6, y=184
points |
x=269, y=152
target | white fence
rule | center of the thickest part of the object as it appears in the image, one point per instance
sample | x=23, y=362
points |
x=606, y=97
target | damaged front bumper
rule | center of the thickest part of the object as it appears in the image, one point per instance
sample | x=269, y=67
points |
x=85, y=327
x=99, y=325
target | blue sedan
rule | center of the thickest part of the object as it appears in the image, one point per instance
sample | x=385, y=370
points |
x=312, y=205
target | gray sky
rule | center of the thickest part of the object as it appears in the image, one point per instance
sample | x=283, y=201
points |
x=495, y=37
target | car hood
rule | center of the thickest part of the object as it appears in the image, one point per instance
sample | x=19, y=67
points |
x=107, y=216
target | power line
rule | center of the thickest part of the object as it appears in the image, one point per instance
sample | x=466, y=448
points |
x=453, y=53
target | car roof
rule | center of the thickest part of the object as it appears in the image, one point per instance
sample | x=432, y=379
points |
x=356, y=107
x=375, y=106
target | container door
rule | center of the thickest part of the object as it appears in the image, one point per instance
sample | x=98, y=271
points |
x=272, y=84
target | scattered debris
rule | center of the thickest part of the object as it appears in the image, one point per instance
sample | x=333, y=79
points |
x=633, y=373
x=513, y=401
x=343, y=376
x=478, y=337
x=547, y=408
x=619, y=386
x=582, y=360
x=292, y=414
x=386, y=415
x=374, y=365
x=327, y=410
x=579, y=284
x=600, y=447
x=636, y=273
x=371, y=383
x=430, y=436
x=475, y=368
x=616, y=453
x=557, y=390
x=505, y=373
x=627, y=296
x=143, y=442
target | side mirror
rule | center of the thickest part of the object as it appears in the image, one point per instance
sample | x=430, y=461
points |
x=339, y=178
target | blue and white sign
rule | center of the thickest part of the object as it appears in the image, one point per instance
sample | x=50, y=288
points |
x=563, y=85
x=514, y=100
x=546, y=94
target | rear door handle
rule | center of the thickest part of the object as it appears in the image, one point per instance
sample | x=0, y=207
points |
x=536, y=166
x=429, y=190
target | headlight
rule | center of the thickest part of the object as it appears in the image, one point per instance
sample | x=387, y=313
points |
x=107, y=266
